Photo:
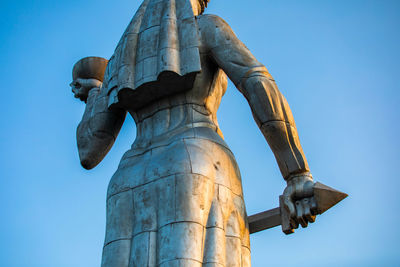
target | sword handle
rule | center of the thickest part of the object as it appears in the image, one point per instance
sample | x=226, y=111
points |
x=285, y=217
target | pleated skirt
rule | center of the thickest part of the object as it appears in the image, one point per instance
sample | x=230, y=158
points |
x=178, y=204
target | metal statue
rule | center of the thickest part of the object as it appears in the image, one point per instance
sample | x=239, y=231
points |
x=176, y=198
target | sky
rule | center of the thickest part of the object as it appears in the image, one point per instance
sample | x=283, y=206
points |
x=336, y=62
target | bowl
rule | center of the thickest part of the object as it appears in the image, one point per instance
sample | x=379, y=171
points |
x=90, y=68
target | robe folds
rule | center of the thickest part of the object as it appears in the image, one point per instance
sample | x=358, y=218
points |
x=176, y=198
x=158, y=54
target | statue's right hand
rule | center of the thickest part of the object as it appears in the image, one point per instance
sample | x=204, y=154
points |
x=299, y=200
x=81, y=87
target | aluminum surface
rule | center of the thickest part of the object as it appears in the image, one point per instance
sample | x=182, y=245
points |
x=176, y=198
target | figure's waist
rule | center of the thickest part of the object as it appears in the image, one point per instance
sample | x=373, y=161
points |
x=199, y=130
x=162, y=121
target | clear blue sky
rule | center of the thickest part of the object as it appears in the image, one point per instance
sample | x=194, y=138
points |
x=337, y=62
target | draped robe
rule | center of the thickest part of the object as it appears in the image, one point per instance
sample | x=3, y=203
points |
x=176, y=198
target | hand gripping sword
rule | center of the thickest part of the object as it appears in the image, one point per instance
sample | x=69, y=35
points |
x=325, y=197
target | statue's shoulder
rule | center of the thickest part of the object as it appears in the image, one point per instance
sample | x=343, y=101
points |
x=213, y=30
x=208, y=20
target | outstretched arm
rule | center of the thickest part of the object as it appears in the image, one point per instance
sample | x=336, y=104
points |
x=99, y=126
x=270, y=110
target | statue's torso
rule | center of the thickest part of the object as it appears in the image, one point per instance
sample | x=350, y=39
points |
x=170, y=127
x=172, y=116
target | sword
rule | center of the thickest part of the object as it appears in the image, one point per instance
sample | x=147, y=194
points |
x=325, y=197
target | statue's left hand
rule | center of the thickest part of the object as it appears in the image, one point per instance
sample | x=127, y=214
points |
x=81, y=87
x=299, y=200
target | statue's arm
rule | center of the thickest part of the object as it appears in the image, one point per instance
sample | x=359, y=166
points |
x=270, y=110
x=269, y=107
x=274, y=117
x=98, y=129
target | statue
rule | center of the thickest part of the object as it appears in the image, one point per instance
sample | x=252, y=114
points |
x=176, y=198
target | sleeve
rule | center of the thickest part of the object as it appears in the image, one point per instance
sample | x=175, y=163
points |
x=269, y=107
x=98, y=129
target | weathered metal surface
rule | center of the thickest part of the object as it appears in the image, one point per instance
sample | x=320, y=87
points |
x=325, y=197
x=161, y=38
x=264, y=220
x=176, y=198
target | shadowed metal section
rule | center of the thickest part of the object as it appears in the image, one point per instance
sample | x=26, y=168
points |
x=264, y=220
